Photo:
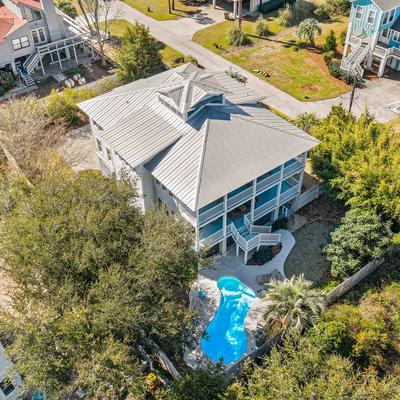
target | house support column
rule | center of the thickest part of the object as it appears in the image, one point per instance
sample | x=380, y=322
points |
x=345, y=50
x=222, y=247
x=14, y=68
x=276, y=212
x=76, y=57
x=382, y=67
x=214, y=3
x=41, y=64
x=235, y=8
x=237, y=250
x=245, y=256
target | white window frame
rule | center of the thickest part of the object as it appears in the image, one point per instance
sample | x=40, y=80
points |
x=22, y=43
x=386, y=33
x=359, y=10
x=373, y=13
x=396, y=36
x=37, y=31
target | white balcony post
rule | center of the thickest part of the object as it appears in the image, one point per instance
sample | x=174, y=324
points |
x=224, y=226
x=196, y=229
x=276, y=213
x=253, y=200
x=41, y=64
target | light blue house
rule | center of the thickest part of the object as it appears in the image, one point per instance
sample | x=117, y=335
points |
x=200, y=144
x=373, y=37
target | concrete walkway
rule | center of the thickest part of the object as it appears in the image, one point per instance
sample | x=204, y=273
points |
x=178, y=33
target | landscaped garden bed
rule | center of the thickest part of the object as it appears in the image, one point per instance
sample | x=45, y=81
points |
x=294, y=68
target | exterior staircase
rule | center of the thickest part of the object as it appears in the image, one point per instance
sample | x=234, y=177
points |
x=252, y=236
x=26, y=77
x=352, y=64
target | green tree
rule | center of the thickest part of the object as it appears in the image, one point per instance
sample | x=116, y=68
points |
x=207, y=383
x=308, y=29
x=330, y=44
x=302, y=370
x=360, y=161
x=139, y=56
x=306, y=121
x=90, y=275
x=293, y=305
x=7, y=82
x=361, y=237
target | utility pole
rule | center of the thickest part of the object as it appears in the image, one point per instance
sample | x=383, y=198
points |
x=240, y=3
x=353, y=91
x=169, y=6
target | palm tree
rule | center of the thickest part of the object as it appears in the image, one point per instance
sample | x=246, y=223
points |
x=293, y=305
x=307, y=30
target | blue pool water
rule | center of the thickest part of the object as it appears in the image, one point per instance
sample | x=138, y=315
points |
x=225, y=336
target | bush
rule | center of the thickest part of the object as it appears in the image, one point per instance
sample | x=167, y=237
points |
x=63, y=106
x=306, y=121
x=263, y=255
x=322, y=12
x=67, y=7
x=342, y=37
x=293, y=14
x=262, y=27
x=7, y=82
x=237, y=37
x=328, y=56
x=330, y=42
x=361, y=237
x=281, y=223
x=338, y=7
x=336, y=71
x=236, y=75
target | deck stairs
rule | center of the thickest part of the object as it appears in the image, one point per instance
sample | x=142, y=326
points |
x=26, y=77
x=252, y=236
x=353, y=63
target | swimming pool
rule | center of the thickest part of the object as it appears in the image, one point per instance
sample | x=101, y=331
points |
x=225, y=336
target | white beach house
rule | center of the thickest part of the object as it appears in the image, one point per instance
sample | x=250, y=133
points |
x=201, y=144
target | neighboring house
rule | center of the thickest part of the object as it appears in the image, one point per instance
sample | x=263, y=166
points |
x=201, y=144
x=8, y=388
x=373, y=36
x=33, y=35
x=251, y=6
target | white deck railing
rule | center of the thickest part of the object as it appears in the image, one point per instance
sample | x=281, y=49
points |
x=211, y=213
x=268, y=181
x=240, y=197
x=290, y=169
x=263, y=209
x=285, y=196
x=212, y=239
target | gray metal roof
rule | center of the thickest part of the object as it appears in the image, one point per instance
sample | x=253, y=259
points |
x=386, y=5
x=222, y=147
x=234, y=145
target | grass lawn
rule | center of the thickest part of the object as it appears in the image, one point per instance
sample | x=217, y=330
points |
x=298, y=71
x=159, y=9
x=118, y=27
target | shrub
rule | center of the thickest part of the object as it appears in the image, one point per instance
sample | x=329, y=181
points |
x=281, y=223
x=63, y=106
x=330, y=42
x=322, y=12
x=293, y=14
x=266, y=253
x=328, y=56
x=331, y=335
x=67, y=7
x=107, y=84
x=338, y=7
x=237, y=37
x=361, y=237
x=262, y=27
x=336, y=71
x=236, y=75
x=7, y=82
x=342, y=37
x=306, y=121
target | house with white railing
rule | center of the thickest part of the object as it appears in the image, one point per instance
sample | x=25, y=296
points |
x=373, y=37
x=202, y=145
x=35, y=35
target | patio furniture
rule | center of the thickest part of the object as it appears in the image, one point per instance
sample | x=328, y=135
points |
x=265, y=278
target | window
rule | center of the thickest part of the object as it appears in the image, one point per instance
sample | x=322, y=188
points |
x=385, y=33
x=38, y=36
x=108, y=151
x=359, y=12
x=371, y=17
x=396, y=36
x=388, y=16
x=6, y=386
x=32, y=15
x=20, y=43
x=98, y=144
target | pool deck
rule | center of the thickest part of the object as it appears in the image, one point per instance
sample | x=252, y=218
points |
x=230, y=265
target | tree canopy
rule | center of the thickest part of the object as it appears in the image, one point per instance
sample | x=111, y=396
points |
x=139, y=56
x=91, y=275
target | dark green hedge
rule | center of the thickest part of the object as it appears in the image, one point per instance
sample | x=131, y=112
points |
x=273, y=5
